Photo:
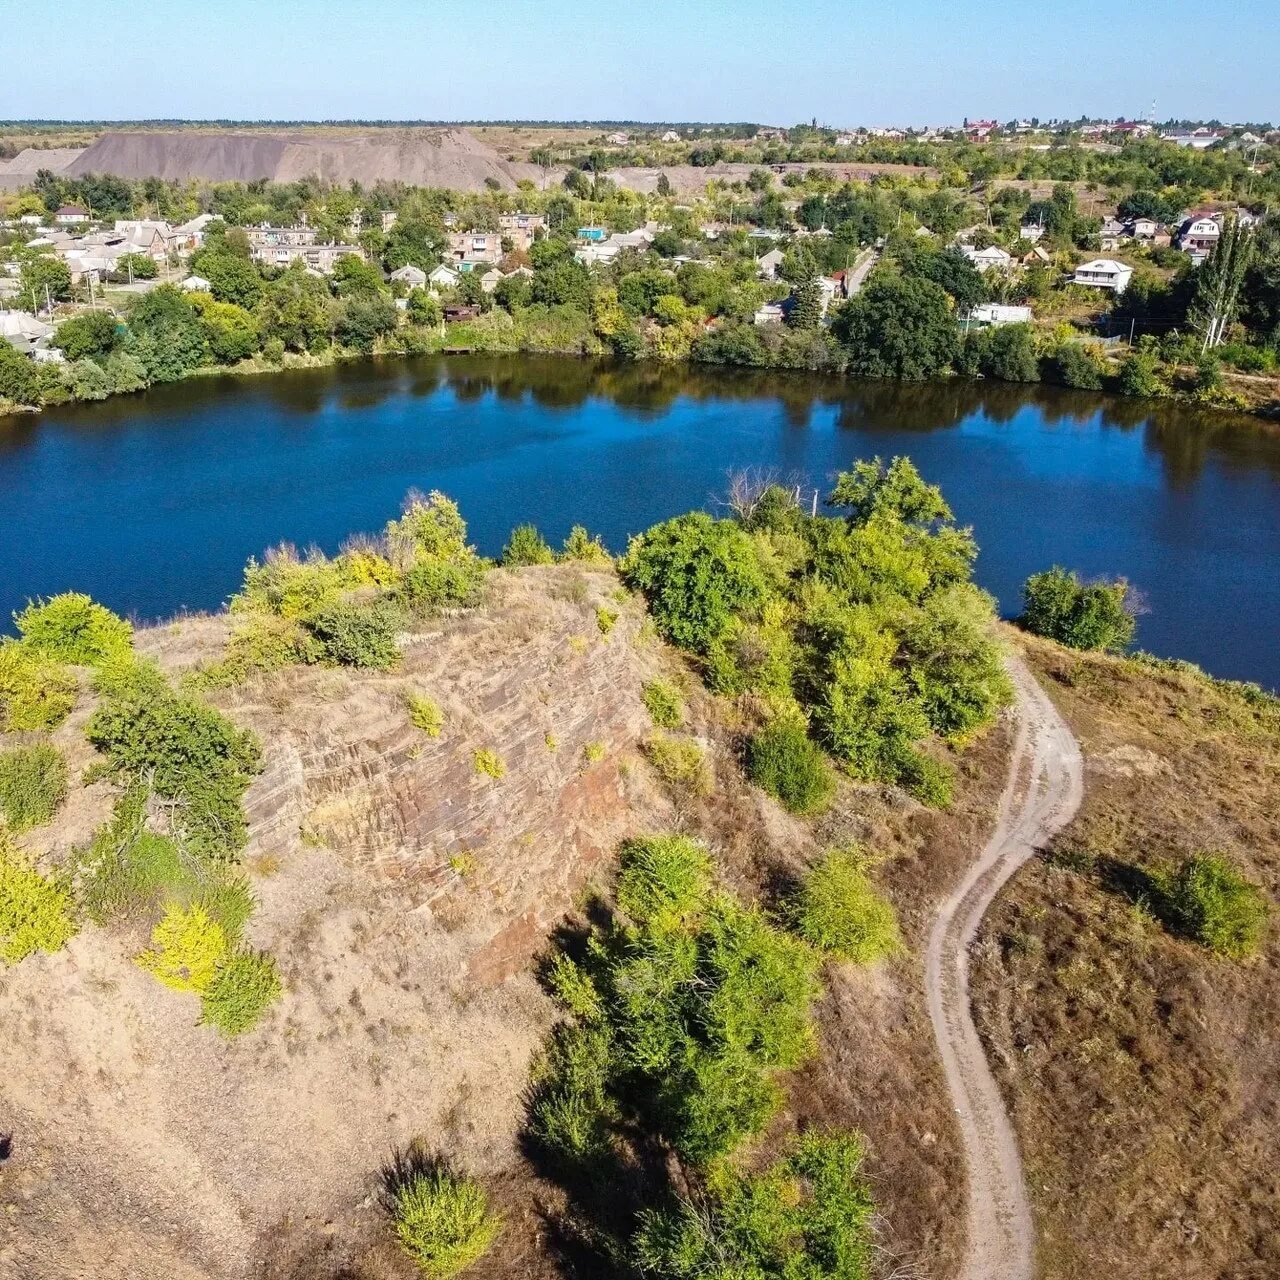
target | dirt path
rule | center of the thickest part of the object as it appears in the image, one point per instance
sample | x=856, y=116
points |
x=1042, y=794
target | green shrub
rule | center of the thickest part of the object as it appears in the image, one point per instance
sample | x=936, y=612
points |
x=931, y=781
x=244, y=987
x=428, y=586
x=606, y=620
x=526, y=546
x=358, y=635
x=33, y=783
x=228, y=901
x=261, y=642
x=664, y=882
x=424, y=714
x=189, y=754
x=443, y=1221
x=663, y=703
x=288, y=586
x=71, y=628
x=1060, y=607
x=36, y=912
x=681, y=764
x=784, y=761
x=570, y=1109
x=837, y=909
x=187, y=946
x=808, y=1216
x=1075, y=365
x=581, y=547
x=1209, y=901
x=699, y=576
x=35, y=691
x=428, y=547
x=128, y=870
x=489, y=763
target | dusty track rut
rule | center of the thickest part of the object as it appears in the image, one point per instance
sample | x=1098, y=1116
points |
x=1041, y=796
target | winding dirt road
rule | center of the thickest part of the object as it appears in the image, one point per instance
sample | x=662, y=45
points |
x=1046, y=779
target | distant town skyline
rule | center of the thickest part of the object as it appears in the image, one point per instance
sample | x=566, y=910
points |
x=912, y=62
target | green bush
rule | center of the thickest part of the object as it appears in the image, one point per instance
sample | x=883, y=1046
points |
x=698, y=1002
x=837, y=909
x=33, y=783
x=784, y=761
x=1075, y=365
x=189, y=754
x=931, y=781
x=261, y=642
x=664, y=704
x=358, y=635
x=442, y=1220
x=288, y=586
x=1209, y=901
x=807, y=1216
x=71, y=628
x=490, y=763
x=699, y=576
x=35, y=691
x=428, y=586
x=1058, y=606
x=36, y=912
x=526, y=546
x=428, y=547
x=244, y=987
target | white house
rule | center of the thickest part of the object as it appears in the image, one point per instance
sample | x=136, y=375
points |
x=491, y=279
x=1031, y=231
x=671, y=136
x=1103, y=273
x=413, y=277
x=770, y=313
x=71, y=215
x=1144, y=228
x=195, y=284
x=443, y=278
x=992, y=258
x=994, y=313
x=190, y=235
x=1199, y=235
x=22, y=331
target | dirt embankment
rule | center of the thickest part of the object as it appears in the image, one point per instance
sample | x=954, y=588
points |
x=406, y=897
x=1142, y=1071
x=419, y=157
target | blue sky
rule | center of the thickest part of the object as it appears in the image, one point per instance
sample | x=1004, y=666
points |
x=855, y=61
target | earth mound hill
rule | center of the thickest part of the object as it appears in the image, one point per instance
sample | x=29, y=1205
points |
x=421, y=157
x=406, y=895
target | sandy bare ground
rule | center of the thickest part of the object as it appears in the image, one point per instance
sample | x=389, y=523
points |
x=1043, y=792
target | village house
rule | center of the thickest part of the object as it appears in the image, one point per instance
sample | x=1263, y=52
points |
x=190, y=235
x=387, y=219
x=1198, y=139
x=1104, y=273
x=71, y=215
x=671, y=136
x=469, y=248
x=770, y=313
x=1144, y=229
x=1031, y=231
x=993, y=314
x=24, y=332
x=767, y=265
x=593, y=234
x=195, y=284
x=1200, y=233
x=522, y=229
x=1036, y=256
x=992, y=258
x=491, y=279
x=266, y=236
x=410, y=276
x=443, y=277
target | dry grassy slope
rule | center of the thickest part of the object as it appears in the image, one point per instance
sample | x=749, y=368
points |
x=144, y=1146
x=1143, y=1074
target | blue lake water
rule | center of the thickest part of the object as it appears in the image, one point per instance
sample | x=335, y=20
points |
x=152, y=503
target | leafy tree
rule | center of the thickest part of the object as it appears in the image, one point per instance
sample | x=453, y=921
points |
x=1010, y=354
x=898, y=328
x=231, y=277
x=564, y=283
x=95, y=333
x=297, y=309
x=167, y=334
x=230, y=331
x=1073, y=365
x=953, y=272
x=44, y=279
x=424, y=308
x=698, y=574
x=1219, y=282
x=1082, y=616
x=363, y=319
x=19, y=378
x=353, y=277
x=135, y=266
x=785, y=762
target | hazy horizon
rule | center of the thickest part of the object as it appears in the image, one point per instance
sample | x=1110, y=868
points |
x=907, y=63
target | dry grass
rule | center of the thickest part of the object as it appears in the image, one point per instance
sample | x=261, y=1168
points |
x=1144, y=1073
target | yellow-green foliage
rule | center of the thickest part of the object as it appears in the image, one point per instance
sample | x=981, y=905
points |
x=839, y=910
x=424, y=714
x=443, y=1221
x=261, y=642
x=244, y=987
x=680, y=763
x=606, y=620
x=593, y=752
x=581, y=546
x=490, y=763
x=288, y=585
x=33, y=783
x=35, y=691
x=365, y=566
x=71, y=628
x=664, y=704
x=36, y=912
x=186, y=948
